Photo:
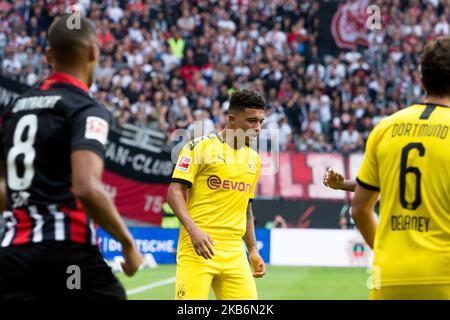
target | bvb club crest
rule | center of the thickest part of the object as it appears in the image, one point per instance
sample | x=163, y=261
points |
x=181, y=292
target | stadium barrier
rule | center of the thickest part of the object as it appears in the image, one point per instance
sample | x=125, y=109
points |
x=319, y=248
x=162, y=243
x=289, y=247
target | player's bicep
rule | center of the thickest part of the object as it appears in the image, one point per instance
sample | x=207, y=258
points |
x=249, y=208
x=87, y=169
x=178, y=188
x=2, y=169
x=364, y=199
x=176, y=197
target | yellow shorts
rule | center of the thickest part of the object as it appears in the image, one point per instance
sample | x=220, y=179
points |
x=412, y=292
x=228, y=273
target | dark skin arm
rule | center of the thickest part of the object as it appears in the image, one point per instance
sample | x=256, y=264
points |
x=87, y=168
x=256, y=261
x=363, y=214
x=202, y=242
x=336, y=181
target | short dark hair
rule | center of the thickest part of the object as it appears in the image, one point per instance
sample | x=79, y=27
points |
x=242, y=99
x=68, y=43
x=435, y=66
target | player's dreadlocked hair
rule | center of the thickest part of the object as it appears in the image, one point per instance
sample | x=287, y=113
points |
x=435, y=65
x=246, y=99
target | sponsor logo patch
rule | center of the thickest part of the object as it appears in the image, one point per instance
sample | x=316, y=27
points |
x=215, y=182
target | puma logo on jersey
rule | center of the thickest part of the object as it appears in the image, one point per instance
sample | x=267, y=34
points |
x=221, y=158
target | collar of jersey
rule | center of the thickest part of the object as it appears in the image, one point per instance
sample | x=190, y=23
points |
x=219, y=136
x=61, y=77
x=432, y=104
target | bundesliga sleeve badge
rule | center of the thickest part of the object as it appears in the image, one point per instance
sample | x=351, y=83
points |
x=97, y=129
x=184, y=163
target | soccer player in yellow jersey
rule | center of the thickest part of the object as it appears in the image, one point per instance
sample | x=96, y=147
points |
x=220, y=172
x=407, y=161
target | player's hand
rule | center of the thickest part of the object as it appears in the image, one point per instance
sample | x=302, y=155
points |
x=202, y=243
x=133, y=260
x=333, y=179
x=257, y=262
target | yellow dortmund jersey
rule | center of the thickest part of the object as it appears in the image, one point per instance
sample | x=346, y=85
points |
x=408, y=158
x=222, y=180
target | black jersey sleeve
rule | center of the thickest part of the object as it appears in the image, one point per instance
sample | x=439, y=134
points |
x=89, y=129
x=3, y=115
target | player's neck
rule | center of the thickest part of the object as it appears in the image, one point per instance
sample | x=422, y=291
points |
x=74, y=72
x=231, y=139
x=441, y=101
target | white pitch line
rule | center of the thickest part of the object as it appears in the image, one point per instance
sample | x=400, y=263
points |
x=151, y=286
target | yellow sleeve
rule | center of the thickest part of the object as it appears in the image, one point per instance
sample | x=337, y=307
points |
x=255, y=182
x=368, y=172
x=187, y=165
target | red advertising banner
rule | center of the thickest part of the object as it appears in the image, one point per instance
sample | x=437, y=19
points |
x=300, y=175
x=134, y=199
x=137, y=174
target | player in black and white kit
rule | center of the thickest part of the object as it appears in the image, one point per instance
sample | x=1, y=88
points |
x=51, y=151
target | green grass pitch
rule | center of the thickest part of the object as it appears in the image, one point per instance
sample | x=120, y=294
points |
x=290, y=283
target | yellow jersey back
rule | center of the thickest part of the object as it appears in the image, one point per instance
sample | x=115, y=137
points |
x=407, y=159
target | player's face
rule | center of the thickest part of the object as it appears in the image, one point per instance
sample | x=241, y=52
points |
x=250, y=122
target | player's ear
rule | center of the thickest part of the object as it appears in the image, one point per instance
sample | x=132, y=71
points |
x=49, y=55
x=421, y=81
x=232, y=119
x=94, y=52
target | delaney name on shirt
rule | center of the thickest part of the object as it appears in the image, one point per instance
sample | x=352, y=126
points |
x=407, y=222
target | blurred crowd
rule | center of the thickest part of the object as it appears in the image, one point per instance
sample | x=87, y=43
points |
x=173, y=64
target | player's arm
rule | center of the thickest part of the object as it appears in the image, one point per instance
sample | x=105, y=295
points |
x=368, y=188
x=336, y=181
x=362, y=212
x=87, y=168
x=183, y=176
x=89, y=128
x=256, y=260
x=201, y=241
